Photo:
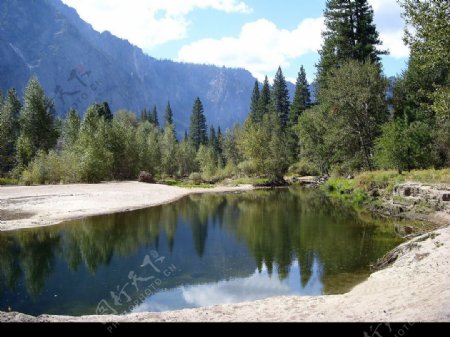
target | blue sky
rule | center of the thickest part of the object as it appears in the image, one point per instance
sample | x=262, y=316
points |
x=258, y=35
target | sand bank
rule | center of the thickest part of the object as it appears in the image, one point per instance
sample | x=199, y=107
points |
x=37, y=206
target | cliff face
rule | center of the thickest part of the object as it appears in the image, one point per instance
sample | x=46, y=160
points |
x=77, y=66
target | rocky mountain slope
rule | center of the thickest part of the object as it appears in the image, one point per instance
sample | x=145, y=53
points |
x=78, y=66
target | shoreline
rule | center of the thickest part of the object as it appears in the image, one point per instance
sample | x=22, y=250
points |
x=416, y=287
x=24, y=207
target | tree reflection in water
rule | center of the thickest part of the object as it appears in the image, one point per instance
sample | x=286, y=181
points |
x=210, y=238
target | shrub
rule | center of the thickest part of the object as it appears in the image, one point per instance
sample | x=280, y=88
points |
x=8, y=181
x=196, y=178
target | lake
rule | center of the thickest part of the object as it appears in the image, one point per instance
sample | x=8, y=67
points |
x=199, y=251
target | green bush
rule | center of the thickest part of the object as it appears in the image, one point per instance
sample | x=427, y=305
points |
x=8, y=181
x=339, y=185
x=196, y=178
x=52, y=168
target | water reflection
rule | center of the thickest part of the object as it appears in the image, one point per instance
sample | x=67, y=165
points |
x=257, y=286
x=226, y=248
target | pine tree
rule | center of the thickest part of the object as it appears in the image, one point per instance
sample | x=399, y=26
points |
x=37, y=121
x=254, y=106
x=280, y=98
x=9, y=126
x=264, y=99
x=350, y=34
x=198, y=131
x=219, y=148
x=155, y=119
x=168, y=116
x=302, y=98
x=105, y=111
x=144, y=116
x=212, y=137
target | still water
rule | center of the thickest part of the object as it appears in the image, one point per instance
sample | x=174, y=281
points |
x=199, y=251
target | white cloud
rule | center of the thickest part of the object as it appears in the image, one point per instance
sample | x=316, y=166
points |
x=148, y=23
x=260, y=46
x=390, y=26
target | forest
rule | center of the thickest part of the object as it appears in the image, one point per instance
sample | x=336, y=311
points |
x=359, y=121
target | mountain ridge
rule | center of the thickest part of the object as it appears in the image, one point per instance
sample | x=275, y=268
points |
x=78, y=66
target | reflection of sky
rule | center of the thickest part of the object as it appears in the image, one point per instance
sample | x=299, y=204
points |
x=255, y=287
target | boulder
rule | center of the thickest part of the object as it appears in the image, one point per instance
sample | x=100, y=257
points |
x=145, y=177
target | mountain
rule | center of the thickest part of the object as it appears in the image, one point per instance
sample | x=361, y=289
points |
x=78, y=66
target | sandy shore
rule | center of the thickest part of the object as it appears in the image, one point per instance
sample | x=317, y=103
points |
x=415, y=288
x=28, y=207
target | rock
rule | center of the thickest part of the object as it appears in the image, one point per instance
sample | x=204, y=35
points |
x=408, y=230
x=446, y=197
x=407, y=192
x=145, y=177
x=403, y=230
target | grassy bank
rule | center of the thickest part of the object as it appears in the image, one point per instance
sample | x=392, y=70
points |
x=368, y=187
x=8, y=181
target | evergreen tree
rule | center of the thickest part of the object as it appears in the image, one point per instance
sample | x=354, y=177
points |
x=302, y=97
x=212, y=140
x=198, y=131
x=144, y=116
x=350, y=34
x=168, y=116
x=37, y=121
x=105, y=111
x=214, y=144
x=264, y=100
x=71, y=128
x=10, y=130
x=280, y=98
x=219, y=148
x=254, y=106
x=155, y=119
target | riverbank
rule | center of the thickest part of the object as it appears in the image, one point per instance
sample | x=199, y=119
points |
x=37, y=206
x=416, y=287
x=417, y=195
